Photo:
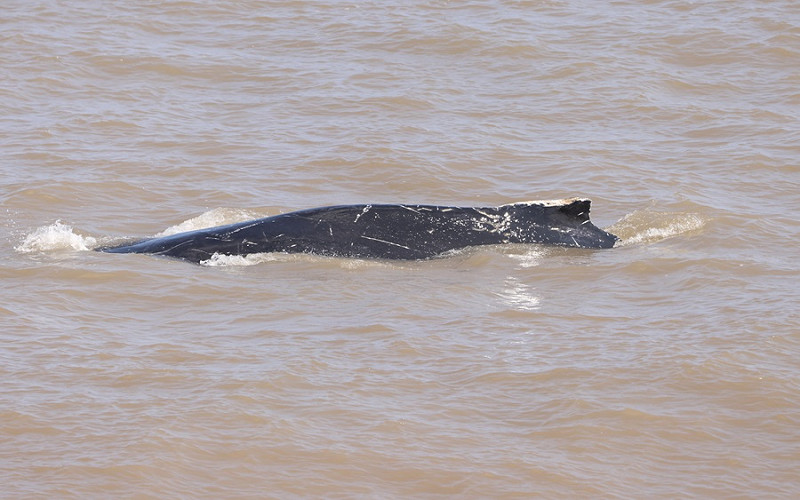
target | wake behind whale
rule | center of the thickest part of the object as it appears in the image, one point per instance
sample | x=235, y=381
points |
x=406, y=232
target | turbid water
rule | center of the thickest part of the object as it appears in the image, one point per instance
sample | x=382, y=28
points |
x=665, y=367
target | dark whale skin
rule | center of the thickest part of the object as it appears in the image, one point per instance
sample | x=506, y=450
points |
x=407, y=232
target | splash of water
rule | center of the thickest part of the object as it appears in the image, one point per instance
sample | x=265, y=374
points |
x=222, y=260
x=56, y=236
x=649, y=226
x=212, y=218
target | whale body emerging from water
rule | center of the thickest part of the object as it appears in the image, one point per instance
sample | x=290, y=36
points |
x=408, y=232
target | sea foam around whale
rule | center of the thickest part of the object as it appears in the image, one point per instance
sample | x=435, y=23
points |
x=54, y=237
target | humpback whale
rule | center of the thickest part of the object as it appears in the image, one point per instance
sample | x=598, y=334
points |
x=408, y=232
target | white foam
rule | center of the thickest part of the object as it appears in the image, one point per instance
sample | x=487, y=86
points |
x=212, y=218
x=662, y=233
x=646, y=226
x=56, y=236
x=221, y=260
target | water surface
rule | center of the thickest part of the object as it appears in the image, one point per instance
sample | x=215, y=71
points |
x=665, y=367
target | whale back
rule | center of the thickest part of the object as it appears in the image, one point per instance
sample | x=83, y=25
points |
x=387, y=231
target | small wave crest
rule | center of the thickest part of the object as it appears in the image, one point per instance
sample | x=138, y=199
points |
x=56, y=236
x=221, y=260
x=649, y=226
x=215, y=217
x=531, y=256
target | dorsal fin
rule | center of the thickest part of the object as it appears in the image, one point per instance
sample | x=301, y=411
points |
x=577, y=208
